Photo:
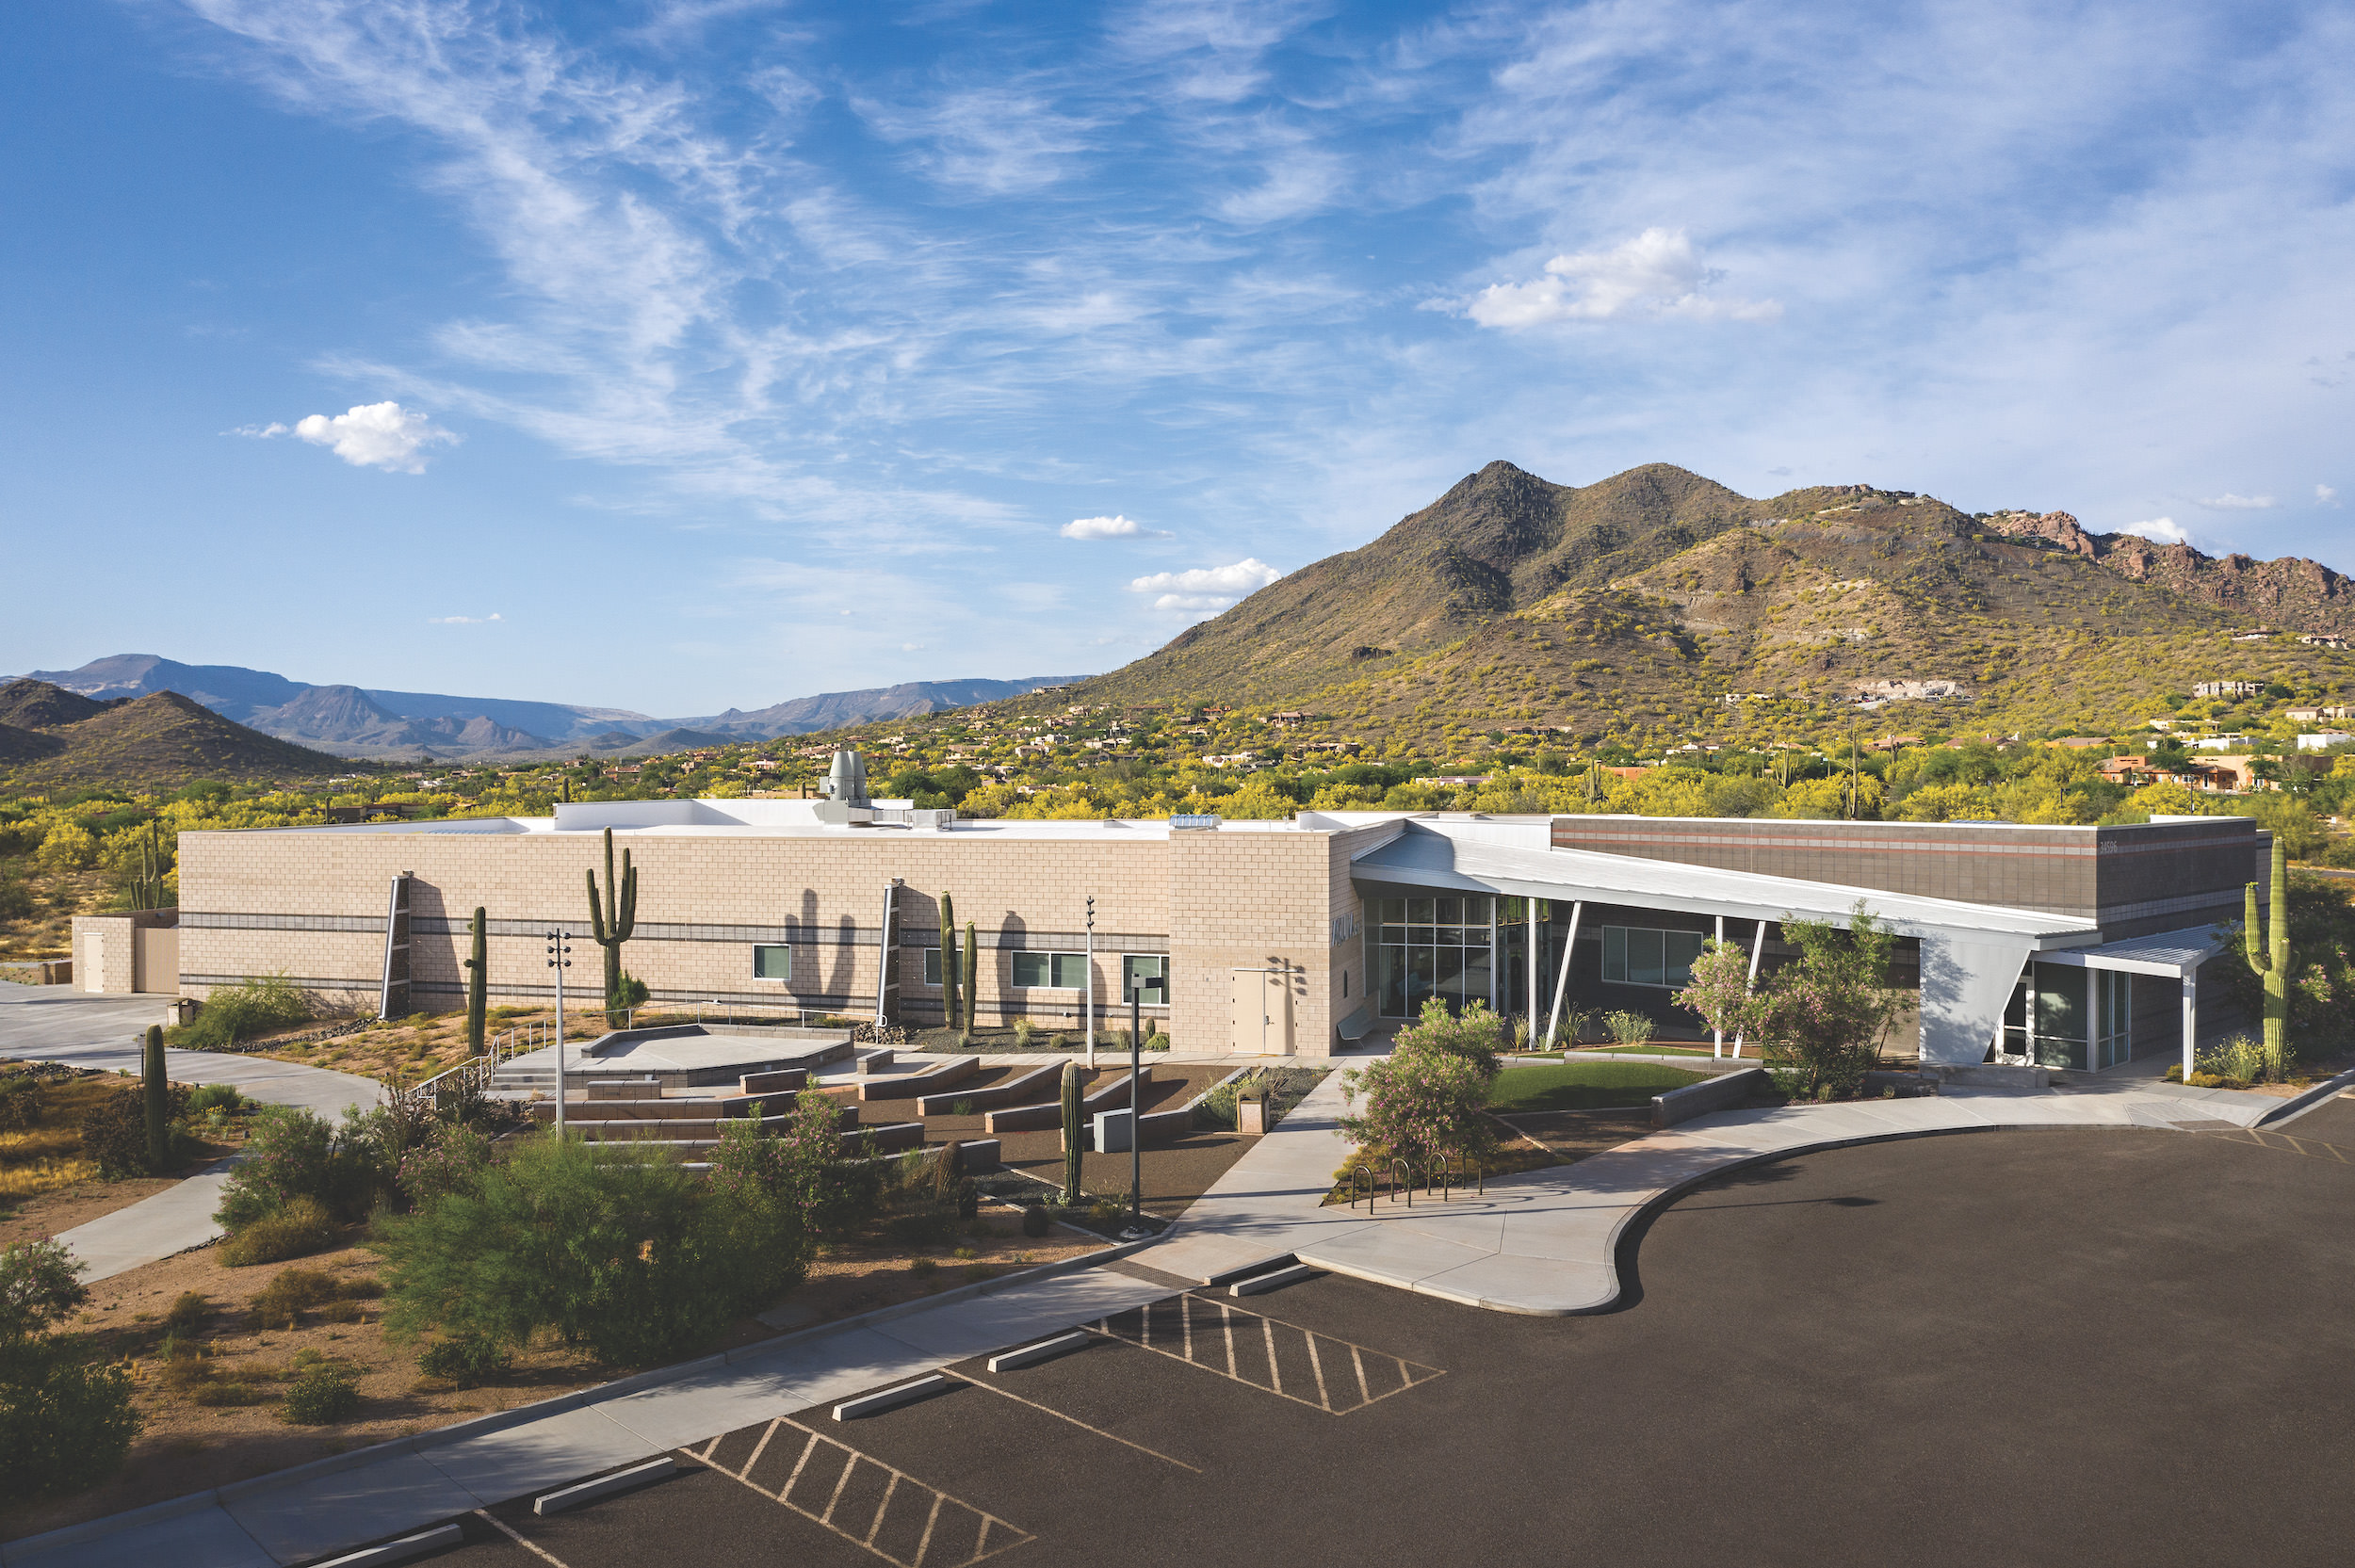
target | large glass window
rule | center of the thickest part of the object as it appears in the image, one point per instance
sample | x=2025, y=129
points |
x=2063, y=1015
x=772, y=963
x=1635, y=955
x=1050, y=971
x=1435, y=946
x=1144, y=977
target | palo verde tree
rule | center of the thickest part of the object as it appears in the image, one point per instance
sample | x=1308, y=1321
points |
x=612, y=922
x=2272, y=968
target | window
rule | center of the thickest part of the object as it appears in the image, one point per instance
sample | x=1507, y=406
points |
x=1050, y=971
x=1144, y=977
x=773, y=963
x=931, y=966
x=1632, y=955
x=1432, y=947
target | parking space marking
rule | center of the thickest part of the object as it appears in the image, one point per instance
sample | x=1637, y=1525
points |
x=963, y=1534
x=512, y=1534
x=1208, y=1332
x=2313, y=1148
x=1082, y=1425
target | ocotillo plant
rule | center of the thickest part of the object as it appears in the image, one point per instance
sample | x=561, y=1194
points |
x=948, y=961
x=2272, y=968
x=972, y=978
x=610, y=923
x=478, y=982
x=158, y=1097
x=1070, y=1133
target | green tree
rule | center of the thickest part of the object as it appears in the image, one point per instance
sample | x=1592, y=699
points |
x=64, y=1423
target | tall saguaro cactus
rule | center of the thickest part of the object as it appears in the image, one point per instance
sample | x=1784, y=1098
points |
x=1070, y=1133
x=948, y=961
x=972, y=978
x=157, y=1096
x=479, y=982
x=2273, y=967
x=610, y=924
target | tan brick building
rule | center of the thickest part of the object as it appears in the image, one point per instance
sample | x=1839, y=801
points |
x=2072, y=946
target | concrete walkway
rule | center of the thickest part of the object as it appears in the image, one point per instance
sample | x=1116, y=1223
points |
x=56, y=1023
x=1546, y=1242
x=333, y=1505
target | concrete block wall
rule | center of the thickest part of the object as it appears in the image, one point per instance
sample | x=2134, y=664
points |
x=104, y=957
x=1242, y=900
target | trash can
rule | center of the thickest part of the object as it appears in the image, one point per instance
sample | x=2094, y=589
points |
x=1251, y=1112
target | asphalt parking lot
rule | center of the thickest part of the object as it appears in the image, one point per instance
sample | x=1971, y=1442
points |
x=2016, y=1348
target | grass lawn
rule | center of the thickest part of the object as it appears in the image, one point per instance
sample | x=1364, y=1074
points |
x=1653, y=1049
x=1584, y=1085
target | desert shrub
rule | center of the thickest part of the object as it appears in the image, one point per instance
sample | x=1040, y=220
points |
x=467, y=1361
x=1105, y=1213
x=1475, y=1034
x=1628, y=1029
x=281, y=1303
x=321, y=1396
x=235, y=1013
x=1023, y=1030
x=215, y=1096
x=189, y=1310
x=1217, y=1108
x=302, y=1226
x=1575, y=1022
x=64, y=1423
x=114, y=1132
x=612, y=1246
x=293, y=1153
x=2240, y=1059
x=1035, y=1221
x=450, y=1158
x=20, y=1103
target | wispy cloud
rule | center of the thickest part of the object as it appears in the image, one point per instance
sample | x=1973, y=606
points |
x=462, y=620
x=1109, y=527
x=2230, y=502
x=2326, y=496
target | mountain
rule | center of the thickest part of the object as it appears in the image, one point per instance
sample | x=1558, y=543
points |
x=353, y=720
x=39, y=705
x=357, y=721
x=1657, y=604
x=833, y=709
x=159, y=740
x=2291, y=592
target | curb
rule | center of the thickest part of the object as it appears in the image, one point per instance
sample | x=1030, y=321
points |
x=2305, y=1099
x=13, y=1552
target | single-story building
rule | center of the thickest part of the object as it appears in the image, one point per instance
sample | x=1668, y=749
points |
x=2070, y=946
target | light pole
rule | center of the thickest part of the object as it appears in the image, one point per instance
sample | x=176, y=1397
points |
x=1087, y=998
x=560, y=960
x=1136, y=1113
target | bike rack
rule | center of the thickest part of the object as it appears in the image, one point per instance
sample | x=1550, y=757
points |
x=1367, y=1172
x=1407, y=1174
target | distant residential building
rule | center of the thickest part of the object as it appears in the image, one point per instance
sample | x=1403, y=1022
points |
x=1457, y=780
x=2311, y=716
x=2227, y=689
x=2322, y=639
x=2323, y=740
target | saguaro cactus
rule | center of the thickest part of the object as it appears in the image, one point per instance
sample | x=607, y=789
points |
x=2273, y=968
x=972, y=978
x=478, y=982
x=158, y=1100
x=948, y=961
x=1070, y=1133
x=610, y=924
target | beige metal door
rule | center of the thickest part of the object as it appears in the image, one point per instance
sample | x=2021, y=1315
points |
x=1264, y=1012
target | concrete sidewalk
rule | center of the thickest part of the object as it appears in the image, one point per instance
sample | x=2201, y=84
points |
x=336, y=1504
x=56, y=1023
x=1546, y=1242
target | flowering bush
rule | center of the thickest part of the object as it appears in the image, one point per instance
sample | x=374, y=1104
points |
x=1421, y=1101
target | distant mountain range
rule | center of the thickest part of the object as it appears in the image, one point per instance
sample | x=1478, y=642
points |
x=51, y=737
x=357, y=721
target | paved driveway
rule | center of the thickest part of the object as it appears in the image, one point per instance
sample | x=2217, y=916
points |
x=2012, y=1348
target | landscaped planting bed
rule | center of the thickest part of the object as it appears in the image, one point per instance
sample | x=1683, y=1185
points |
x=1585, y=1085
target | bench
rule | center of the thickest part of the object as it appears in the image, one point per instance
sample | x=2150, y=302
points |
x=1356, y=1027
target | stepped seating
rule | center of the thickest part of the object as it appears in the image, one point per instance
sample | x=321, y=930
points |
x=909, y=1086
x=1113, y=1095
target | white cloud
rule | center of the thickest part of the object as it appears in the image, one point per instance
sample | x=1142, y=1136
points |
x=259, y=432
x=910, y=647
x=2326, y=496
x=1109, y=527
x=2161, y=530
x=373, y=435
x=1206, y=588
x=1656, y=273
x=462, y=620
x=2230, y=502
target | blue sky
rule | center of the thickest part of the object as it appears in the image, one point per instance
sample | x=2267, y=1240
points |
x=694, y=355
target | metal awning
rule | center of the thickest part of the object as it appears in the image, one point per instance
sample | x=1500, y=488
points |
x=2173, y=954
x=1422, y=857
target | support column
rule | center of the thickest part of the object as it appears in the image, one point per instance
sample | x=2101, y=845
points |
x=2093, y=1019
x=1758, y=951
x=1717, y=1036
x=1562, y=974
x=2191, y=1021
x=1528, y=996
